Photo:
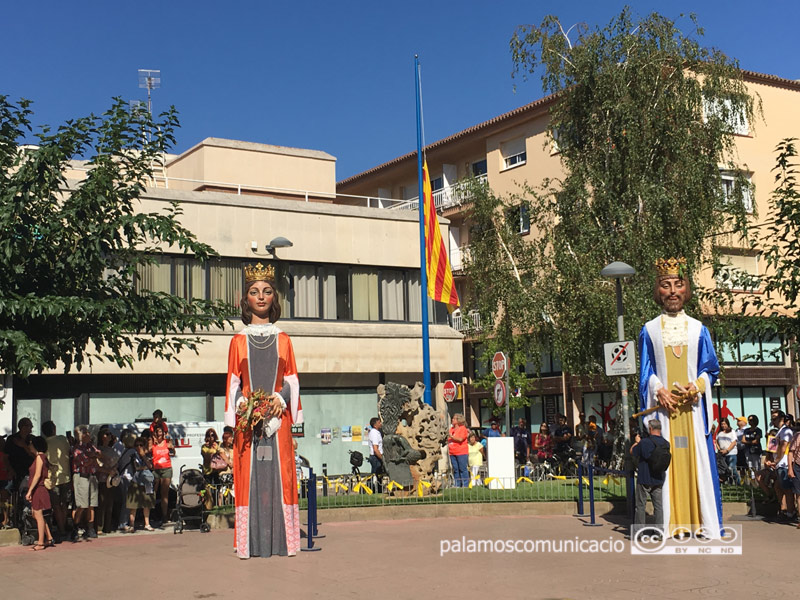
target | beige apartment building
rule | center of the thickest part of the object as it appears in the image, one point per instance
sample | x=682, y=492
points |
x=514, y=148
x=350, y=296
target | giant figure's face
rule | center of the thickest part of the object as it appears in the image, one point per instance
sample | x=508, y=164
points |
x=672, y=293
x=259, y=298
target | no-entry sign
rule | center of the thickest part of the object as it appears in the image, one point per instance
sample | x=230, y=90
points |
x=449, y=390
x=500, y=392
x=499, y=365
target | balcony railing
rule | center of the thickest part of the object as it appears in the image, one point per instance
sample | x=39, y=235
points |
x=469, y=322
x=452, y=195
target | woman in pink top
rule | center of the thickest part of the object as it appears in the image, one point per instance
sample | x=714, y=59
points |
x=459, y=450
x=162, y=451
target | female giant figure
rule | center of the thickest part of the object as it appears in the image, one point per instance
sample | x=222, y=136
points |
x=265, y=482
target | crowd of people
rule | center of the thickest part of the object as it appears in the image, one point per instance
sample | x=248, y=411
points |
x=741, y=459
x=744, y=455
x=96, y=485
x=587, y=440
x=468, y=449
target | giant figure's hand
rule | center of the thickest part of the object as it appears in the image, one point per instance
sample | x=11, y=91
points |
x=666, y=399
x=690, y=391
x=275, y=406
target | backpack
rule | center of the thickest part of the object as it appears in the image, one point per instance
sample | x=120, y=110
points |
x=356, y=459
x=659, y=459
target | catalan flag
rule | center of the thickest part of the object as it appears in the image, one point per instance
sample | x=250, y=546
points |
x=440, y=275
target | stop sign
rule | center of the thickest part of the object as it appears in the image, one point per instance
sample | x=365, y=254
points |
x=449, y=390
x=499, y=365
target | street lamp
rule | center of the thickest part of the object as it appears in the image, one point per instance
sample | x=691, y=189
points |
x=278, y=242
x=616, y=271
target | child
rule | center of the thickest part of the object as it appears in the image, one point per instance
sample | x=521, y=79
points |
x=158, y=421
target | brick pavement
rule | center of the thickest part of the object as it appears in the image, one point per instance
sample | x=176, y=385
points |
x=398, y=559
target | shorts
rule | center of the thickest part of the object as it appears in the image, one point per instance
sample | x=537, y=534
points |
x=784, y=479
x=796, y=479
x=61, y=495
x=163, y=473
x=85, y=491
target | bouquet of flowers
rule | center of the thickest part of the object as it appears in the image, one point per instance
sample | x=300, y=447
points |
x=251, y=413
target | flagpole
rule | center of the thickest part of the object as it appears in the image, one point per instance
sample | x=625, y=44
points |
x=423, y=278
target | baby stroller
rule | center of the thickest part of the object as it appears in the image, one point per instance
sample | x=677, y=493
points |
x=189, y=507
x=22, y=514
x=723, y=470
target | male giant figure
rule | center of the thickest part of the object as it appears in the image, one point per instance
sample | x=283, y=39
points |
x=678, y=368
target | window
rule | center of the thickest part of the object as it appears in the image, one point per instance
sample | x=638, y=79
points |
x=335, y=292
x=756, y=351
x=479, y=168
x=182, y=276
x=305, y=286
x=513, y=153
x=738, y=271
x=307, y=291
x=730, y=183
x=480, y=363
x=226, y=280
x=392, y=296
x=549, y=364
x=155, y=276
x=437, y=184
x=437, y=312
x=759, y=401
x=558, y=141
x=189, y=278
x=602, y=405
x=519, y=219
x=723, y=109
x=365, y=294
x=129, y=408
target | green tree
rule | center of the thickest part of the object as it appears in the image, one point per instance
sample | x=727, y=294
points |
x=644, y=115
x=769, y=301
x=69, y=252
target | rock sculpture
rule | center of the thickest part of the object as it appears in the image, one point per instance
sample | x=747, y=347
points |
x=413, y=435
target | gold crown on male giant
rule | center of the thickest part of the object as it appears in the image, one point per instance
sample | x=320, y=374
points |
x=671, y=267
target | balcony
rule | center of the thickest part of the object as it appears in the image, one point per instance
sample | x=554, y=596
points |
x=469, y=322
x=459, y=255
x=447, y=197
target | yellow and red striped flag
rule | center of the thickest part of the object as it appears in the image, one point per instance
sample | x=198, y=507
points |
x=440, y=275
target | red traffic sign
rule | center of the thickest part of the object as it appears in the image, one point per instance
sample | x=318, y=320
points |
x=499, y=365
x=449, y=390
x=500, y=392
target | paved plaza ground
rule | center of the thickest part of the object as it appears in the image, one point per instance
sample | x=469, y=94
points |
x=401, y=559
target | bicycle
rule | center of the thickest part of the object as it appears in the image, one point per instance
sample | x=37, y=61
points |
x=566, y=465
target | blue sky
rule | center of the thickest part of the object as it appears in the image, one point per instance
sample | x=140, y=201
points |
x=332, y=76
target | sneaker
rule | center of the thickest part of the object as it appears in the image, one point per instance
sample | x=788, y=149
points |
x=80, y=533
x=91, y=533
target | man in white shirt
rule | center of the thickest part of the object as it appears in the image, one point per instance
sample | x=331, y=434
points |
x=375, y=440
x=781, y=463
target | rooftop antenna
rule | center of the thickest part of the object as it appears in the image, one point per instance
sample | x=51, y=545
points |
x=151, y=80
x=136, y=106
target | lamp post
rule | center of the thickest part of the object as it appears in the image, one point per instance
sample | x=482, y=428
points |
x=278, y=242
x=616, y=271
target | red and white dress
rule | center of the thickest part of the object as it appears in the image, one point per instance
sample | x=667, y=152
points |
x=264, y=478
